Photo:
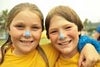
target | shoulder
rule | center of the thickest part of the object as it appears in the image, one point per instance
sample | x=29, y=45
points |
x=49, y=49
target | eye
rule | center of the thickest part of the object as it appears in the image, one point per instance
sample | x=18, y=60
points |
x=35, y=28
x=20, y=27
x=68, y=27
x=53, y=32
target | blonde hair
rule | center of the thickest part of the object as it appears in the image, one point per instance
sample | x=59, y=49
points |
x=14, y=11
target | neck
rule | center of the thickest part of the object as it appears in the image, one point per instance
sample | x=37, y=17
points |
x=69, y=55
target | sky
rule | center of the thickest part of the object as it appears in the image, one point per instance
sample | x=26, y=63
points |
x=84, y=8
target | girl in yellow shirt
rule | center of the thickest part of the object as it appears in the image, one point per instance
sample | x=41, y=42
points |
x=64, y=28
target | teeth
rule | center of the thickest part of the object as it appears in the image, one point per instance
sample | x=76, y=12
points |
x=64, y=43
x=26, y=41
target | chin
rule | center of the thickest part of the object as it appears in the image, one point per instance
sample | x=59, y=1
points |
x=66, y=51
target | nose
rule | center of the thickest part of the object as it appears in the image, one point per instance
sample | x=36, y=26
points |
x=27, y=34
x=61, y=36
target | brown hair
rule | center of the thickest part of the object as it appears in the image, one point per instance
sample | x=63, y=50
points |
x=14, y=11
x=65, y=12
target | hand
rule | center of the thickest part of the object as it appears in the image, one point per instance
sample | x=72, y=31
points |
x=88, y=56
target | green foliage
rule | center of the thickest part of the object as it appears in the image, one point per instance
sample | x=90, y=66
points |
x=3, y=18
x=2, y=42
x=90, y=26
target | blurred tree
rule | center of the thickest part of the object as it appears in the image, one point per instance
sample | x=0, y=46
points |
x=85, y=23
x=3, y=17
x=87, y=26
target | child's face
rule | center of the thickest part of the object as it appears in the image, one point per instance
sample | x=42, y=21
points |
x=25, y=21
x=64, y=35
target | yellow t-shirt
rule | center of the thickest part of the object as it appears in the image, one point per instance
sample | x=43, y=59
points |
x=32, y=59
x=52, y=54
x=71, y=62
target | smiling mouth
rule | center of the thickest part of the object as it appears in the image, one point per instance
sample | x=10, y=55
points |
x=26, y=41
x=64, y=43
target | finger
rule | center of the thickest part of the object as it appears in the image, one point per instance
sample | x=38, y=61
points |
x=87, y=63
x=83, y=64
x=81, y=59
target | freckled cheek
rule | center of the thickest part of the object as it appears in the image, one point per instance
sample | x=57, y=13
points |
x=15, y=36
x=37, y=35
x=74, y=34
x=69, y=32
x=53, y=38
x=15, y=33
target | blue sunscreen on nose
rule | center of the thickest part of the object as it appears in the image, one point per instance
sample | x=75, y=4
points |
x=27, y=33
x=61, y=36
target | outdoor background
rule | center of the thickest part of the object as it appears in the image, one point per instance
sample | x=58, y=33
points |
x=88, y=10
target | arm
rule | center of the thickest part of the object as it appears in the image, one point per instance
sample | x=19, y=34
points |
x=88, y=51
x=85, y=39
x=88, y=56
